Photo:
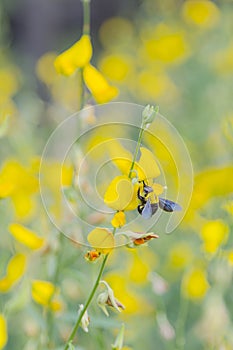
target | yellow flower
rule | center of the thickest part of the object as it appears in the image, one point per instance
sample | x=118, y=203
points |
x=153, y=84
x=14, y=272
x=18, y=183
x=214, y=233
x=8, y=81
x=139, y=269
x=102, y=240
x=209, y=184
x=203, y=13
x=121, y=194
x=26, y=236
x=3, y=332
x=45, y=69
x=116, y=67
x=46, y=294
x=116, y=30
x=77, y=56
x=167, y=45
x=98, y=85
x=180, y=256
x=195, y=284
x=118, y=219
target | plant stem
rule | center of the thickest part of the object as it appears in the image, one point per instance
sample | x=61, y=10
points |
x=136, y=150
x=71, y=337
x=86, y=16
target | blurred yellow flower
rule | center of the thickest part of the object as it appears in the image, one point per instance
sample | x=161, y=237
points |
x=14, y=272
x=102, y=240
x=195, y=284
x=116, y=30
x=153, y=84
x=167, y=45
x=119, y=219
x=180, y=256
x=77, y=56
x=209, y=184
x=214, y=233
x=203, y=13
x=3, y=331
x=139, y=269
x=45, y=69
x=25, y=236
x=9, y=83
x=115, y=67
x=18, y=183
x=46, y=294
x=98, y=85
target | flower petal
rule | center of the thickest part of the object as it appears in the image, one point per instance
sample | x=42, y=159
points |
x=77, y=56
x=102, y=240
x=118, y=219
x=26, y=236
x=98, y=85
x=121, y=194
x=147, y=166
x=3, y=332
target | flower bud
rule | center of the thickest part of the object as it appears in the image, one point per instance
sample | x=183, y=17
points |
x=149, y=113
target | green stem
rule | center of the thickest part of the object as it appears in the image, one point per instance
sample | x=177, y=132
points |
x=71, y=337
x=86, y=16
x=136, y=150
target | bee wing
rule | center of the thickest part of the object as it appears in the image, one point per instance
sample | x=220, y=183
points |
x=147, y=210
x=168, y=205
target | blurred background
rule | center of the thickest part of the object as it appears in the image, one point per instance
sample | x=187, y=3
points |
x=177, y=54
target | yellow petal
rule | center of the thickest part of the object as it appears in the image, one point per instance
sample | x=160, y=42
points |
x=16, y=267
x=77, y=56
x=214, y=233
x=121, y=157
x=118, y=219
x=26, y=236
x=42, y=292
x=121, y=194
x=3, y=332
x=5, y=284
x=24, y=204
x=98, y=85
x=15, y=270
x=195, y=284
x=102, y=240
x=147, y=167
x=202, y=13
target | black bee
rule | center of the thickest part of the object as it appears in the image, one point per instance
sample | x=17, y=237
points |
x=147, y=208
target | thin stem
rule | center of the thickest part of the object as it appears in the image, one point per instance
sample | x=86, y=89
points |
x=71, y=337
x=86, y=16
x=136, y=151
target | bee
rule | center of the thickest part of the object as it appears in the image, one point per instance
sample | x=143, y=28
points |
x=147, y=208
